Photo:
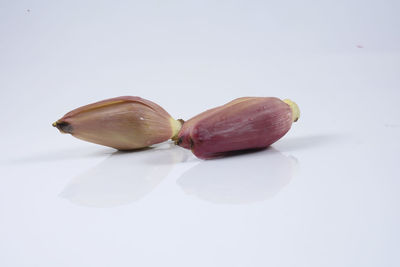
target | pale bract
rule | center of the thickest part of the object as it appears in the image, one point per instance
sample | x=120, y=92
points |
x=123, y=123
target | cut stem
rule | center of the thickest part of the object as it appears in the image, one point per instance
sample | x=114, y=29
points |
x=176, y=127
x=295, y=109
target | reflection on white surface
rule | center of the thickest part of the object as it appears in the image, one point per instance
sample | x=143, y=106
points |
x=124, y=177
x=240, y=179
x=301, y=142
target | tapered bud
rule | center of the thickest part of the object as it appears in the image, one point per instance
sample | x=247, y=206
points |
x=124, y=123
x=244, y=123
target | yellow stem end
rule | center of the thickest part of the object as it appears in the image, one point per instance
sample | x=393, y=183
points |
x=176, y=126
x=295, y=109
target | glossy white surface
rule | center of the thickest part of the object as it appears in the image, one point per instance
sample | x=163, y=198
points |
x=327, y=194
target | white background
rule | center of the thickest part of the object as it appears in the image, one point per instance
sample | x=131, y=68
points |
x=327, y=194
